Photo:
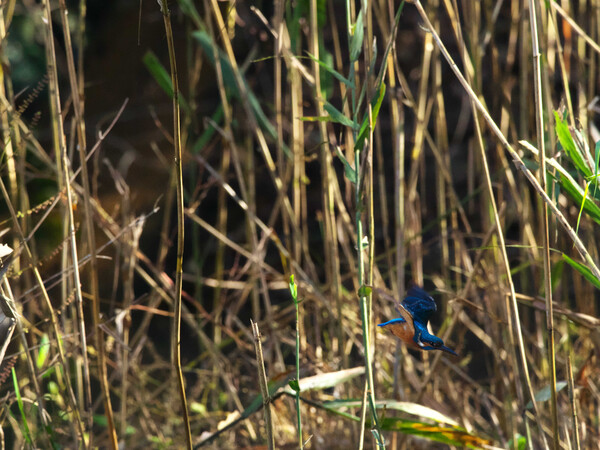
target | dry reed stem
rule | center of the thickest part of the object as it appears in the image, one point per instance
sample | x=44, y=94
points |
x=539, y=110
x=176, y=330
x=63, y=173
x=264, y=389
x=573, y=403
x=75, y=82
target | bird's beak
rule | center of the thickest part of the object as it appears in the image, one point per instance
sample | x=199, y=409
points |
x=448, y=350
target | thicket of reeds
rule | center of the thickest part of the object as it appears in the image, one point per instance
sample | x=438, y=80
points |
x=316, y=159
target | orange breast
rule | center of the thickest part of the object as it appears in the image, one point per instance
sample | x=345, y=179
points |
x=403, y=331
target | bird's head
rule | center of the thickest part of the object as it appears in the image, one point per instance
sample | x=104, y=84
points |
x=432, y=342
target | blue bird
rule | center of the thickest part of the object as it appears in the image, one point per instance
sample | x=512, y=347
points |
x=411, y=328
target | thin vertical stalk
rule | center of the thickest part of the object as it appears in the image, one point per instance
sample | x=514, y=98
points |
x=176, y=338
x=61, y=154
x=369, y=183
x=76, y=86
x=332, y=263
x=298, y=414
x=264, y=388
x=7, y=142
x=364, y=311
x=539, y=109
x=441, y=137
x=294, y=292
x=573, y=402
x=358, y=193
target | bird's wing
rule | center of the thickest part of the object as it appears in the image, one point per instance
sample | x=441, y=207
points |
x=407, y=316
x=419, y=304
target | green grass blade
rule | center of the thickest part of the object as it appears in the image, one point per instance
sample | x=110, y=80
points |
x=357, y=38
x=583, y=270
x=26, y=431
x=585, y=193
x=333, y=72
x=337, y=116
x=411, y=408
x=544, y=394
x=327, y=380
x=43, y=352
x=448, y=435
x=568, y=144
x=364, y=129
x=162, y=77
x=348, y=169
x=596, y=160
x=451, y=434
x=574, y=190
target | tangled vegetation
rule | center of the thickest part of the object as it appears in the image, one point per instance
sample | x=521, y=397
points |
x=208, y=206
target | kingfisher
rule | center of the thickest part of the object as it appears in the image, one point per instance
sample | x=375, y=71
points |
x=416, y=309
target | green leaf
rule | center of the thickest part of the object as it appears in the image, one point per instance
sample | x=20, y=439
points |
x=521, y=442
x=26, y=431
x=567, y=183
x=324, y=75
x=321, y=13
x=162, y=77
x=544, y=394
x=321, y=381
x=583, y=270
x=452, y=434
x=188, y=8
x=364, y=128
x=294, y=385
x=316, y=118
x=556, y=274
x=157, y=70
x=568, y=144
x=43, y=352
x=585, y=193
x=100, y=420
x=327, y=380
x=198, y=408
x=414, y=409
x=574, y=190
x=356, y=42
x=293, y=288
x=273, y=387
x=348, y=169
x=338, y=117
x=448, y=435
x=596, y=160
x=365, y=291
x=333, y=72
